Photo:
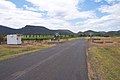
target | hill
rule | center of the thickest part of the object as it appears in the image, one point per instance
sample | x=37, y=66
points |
x=6, y=30
x=30, y=29
x=64, y=32
x=100, y=33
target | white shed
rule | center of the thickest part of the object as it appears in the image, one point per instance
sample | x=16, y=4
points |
x=14, y=39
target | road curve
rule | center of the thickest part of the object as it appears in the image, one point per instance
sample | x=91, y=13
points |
x=66, y=61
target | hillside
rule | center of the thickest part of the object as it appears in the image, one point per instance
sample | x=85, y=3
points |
x=30, y=29
x=100, y=33
x=6, y=30
x=64, y=32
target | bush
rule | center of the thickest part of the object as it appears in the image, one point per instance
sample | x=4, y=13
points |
x=1, y=39
x=37, y=39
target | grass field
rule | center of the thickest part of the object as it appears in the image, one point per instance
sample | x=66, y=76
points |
x=7, y=52
x=11, y=51
x=104, y=62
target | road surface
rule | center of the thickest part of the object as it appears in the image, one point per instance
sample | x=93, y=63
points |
x=66, y=61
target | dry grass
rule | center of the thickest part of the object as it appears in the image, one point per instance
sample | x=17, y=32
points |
x=11, y=51
x=104, y=61
x=106, y=42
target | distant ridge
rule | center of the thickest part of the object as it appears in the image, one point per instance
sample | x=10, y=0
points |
x=31, y=29
x=6, y=30
x=100, y=33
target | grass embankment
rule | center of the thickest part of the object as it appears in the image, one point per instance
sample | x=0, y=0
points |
x=7, y=52
x=104, y=63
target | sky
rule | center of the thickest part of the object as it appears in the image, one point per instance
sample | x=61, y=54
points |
x=74, y=15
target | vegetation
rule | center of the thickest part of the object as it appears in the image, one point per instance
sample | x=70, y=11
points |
x=31, y=44
x=1, y=39
x=37, y=38
x=100, y=34
x=11, y=51
x=46, y=37
x=104, y=61
x=30, y=29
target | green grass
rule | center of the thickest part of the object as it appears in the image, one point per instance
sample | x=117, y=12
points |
x=47, y=37
x=7, y=52
x=38, y=38
x=104, y=63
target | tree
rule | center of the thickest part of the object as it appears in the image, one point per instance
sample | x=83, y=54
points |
x=1, y=39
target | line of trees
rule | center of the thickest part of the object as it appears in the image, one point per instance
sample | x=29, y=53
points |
x=1, y=39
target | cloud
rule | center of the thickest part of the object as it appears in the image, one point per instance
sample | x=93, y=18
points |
x=107, y=22
x=108, y=1
x=14, y=17
x=57, y=16
x=62, y=9
x=112, y=1
x=114, y=9
x=7, y=5
x=18, y=17
x=101, y=24
x=98, y=0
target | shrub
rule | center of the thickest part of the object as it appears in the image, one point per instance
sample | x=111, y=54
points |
x=1, y=39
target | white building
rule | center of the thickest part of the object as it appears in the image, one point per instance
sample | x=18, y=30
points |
x=14, y=39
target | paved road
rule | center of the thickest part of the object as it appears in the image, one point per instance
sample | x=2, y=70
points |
x=63, y=62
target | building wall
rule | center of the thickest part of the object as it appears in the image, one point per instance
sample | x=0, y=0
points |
x=13, y=39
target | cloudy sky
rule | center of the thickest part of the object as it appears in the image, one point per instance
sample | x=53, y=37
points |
x=75, y=15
